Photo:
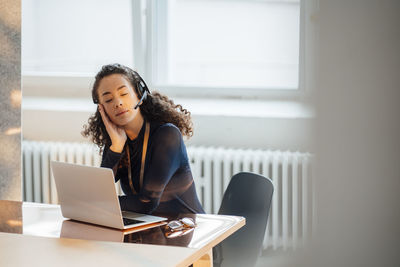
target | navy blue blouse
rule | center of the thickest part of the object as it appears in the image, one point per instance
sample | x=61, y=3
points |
x=168, y=185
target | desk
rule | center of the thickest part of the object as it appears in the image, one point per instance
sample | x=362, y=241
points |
x=37, y=235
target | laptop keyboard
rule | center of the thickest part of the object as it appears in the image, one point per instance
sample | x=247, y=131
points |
x=130, y=221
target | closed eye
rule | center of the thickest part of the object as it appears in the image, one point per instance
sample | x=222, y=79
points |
x=108, y=101
x=124, y=94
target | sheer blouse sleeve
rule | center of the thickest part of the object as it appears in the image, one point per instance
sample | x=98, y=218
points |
x=164, y=158
x=110, y=159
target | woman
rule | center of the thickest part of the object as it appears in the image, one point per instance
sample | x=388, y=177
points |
x=140, y=134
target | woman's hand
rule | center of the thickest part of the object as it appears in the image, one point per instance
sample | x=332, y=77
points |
x=117, y=134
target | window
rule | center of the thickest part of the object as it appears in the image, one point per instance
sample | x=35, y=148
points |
x=181, y=47
x=73, y=36
x=226, y=43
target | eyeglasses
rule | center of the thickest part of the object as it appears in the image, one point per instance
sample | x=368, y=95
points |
x=179, y=227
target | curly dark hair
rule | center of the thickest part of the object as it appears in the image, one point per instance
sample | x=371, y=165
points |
x=155, y=107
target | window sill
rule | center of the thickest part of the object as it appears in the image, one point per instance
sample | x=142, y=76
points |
x=197, y=106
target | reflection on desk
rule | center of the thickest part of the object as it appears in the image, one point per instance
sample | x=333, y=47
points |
x=85, y=231
x=208, y=228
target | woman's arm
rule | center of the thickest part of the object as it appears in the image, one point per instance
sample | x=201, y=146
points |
x=164, y=160
x=110, y=159
x=116, y=133
x=112, y=154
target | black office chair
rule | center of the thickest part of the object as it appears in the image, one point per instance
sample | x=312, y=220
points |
x=248, y=195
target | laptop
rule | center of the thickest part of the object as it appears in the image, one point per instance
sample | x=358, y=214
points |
x=88, y=194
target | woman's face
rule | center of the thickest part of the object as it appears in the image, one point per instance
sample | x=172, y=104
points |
x=118, y=98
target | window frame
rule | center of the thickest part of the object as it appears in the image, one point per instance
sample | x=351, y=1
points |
x=157, y=13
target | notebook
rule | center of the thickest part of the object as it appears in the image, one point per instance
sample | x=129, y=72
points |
x=88, y=194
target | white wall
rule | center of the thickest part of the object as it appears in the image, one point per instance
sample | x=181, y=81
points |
x=358, y=132
x=228, y=123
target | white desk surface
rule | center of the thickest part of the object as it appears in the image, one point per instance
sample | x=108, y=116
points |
x=21, y=250
x=30, y=236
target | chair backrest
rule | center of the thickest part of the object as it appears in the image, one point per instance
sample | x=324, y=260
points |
x=248, y=195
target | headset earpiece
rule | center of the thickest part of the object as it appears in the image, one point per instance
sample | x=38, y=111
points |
x=143, y=91
x=142, y=88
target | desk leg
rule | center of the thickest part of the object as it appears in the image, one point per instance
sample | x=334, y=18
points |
x=205, y=261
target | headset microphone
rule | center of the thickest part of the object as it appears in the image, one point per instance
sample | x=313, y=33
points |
x=141, y=100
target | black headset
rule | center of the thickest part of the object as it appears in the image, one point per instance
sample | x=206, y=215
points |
x=143, y=90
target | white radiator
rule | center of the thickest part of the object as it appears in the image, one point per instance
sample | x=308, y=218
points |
x=292, y=210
